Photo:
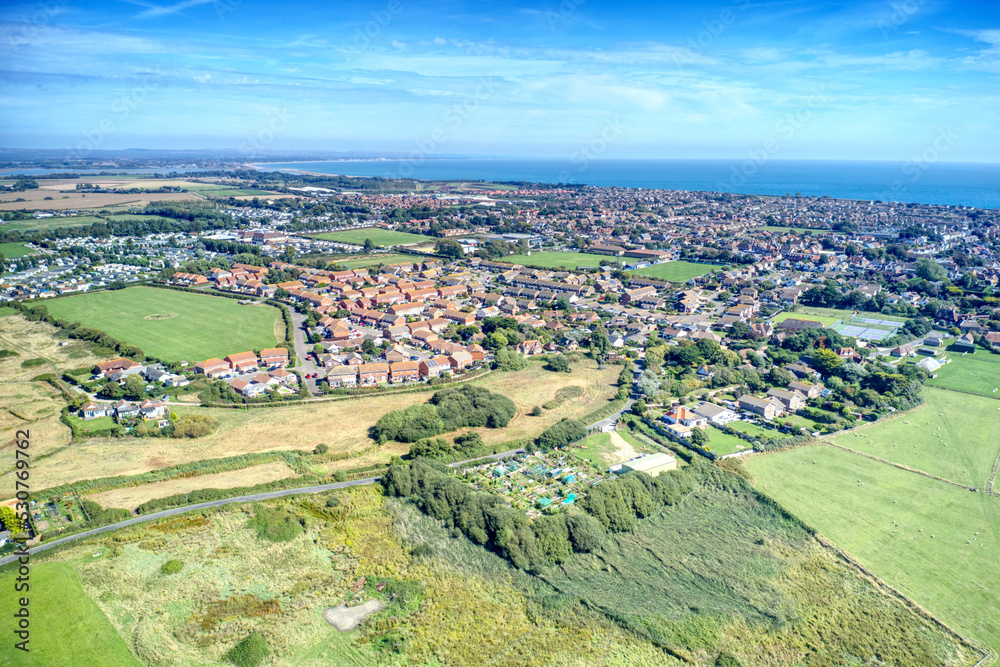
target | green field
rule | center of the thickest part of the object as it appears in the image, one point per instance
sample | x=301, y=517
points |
x=825, y=320
x=6, y=310
x=952, y=435
x=50, y=223
x=15, y=250
x=172, y=325
x=676, y=272
x=234, y=192
x=944, y=552
x=797, y=230
x=364, y=261
x=67, y=628
x=380, y=237
x=977, y=373
x=549, y=259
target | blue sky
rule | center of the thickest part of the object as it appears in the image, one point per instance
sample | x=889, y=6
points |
x=789, y=79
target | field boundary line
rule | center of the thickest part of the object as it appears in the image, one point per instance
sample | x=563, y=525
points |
x=886, y=587
x=900, y=466
x=993, y=478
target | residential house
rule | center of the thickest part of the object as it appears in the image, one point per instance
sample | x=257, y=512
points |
x=768, y=409
x=343, y=376
x=242, y=362
x=689, y=418
x=373, y=373
x=94, y=410
x=213, y=368
x=274, y=357
x=792, y=400
x=404, y=371
x=716, y=414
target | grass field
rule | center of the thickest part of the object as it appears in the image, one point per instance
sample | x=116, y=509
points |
x=946, y=543
x=380, y=237
x=364, y=261
x=172, y=325
x=825, y=320
x=676, y=272
x=554, y=260
x=607, y=448
x=133, y=496
x=15, y=250
x=6, y=310
x=50, y=223
x=796, y=230
x=341, y=425
x=67, y=628
x=977, y=373
x=38, y=340
x=952, y=435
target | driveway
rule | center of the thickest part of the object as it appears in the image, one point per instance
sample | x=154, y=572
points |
x=303, y=350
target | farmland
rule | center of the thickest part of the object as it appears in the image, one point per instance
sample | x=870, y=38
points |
x=935, y=542
x=380, y=237
x=65, y=623
x=555, y=260
x=977, y=373
x=676, y=272
x=172, y=325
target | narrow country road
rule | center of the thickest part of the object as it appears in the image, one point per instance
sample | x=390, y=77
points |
x=302, y=350
x=224, y=501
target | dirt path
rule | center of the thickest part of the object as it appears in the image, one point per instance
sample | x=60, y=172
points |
x=623, y=450
x=346, y=618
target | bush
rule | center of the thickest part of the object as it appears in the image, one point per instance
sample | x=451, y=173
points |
x=340, y=476
x=31, y=363
x=172, y=566
x=250, y=652
x=7, y=353
x=558, y=363
x=536, y=411
x=333, y=501
x=509, y=360
x=448, y=410
x=276, y=525
x=321, y=448
x=194, y=426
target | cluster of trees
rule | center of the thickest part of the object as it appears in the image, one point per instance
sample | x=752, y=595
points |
x=483, y=517
x=562, y=433
x=618, y=505
x=465, y=446
x=507, y=359
x=448, y=410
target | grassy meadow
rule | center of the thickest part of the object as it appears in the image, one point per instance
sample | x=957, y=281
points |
x=936, y=543
x=825, y=320
x=173, y=325
x=364, y=261
x=380, y=237
x=15, y=250
x=675, y=272
x=977, y=373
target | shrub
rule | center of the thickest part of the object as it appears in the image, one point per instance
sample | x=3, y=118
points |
x=536, y=411
x=562, y=433
x=321, y=448
x=172, y=566
x=340, y=476
x=276, y=525
x=558, y=363
x=333, y=501
x=194, y=426
x=7, y=353
x=31, y=363
x=250, y=652
x=508, y=360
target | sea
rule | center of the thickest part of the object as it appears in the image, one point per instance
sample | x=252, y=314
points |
x=916, y=181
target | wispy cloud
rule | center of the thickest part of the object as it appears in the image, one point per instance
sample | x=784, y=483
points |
x=156, y=11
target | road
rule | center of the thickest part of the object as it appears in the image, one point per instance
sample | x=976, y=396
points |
x=303, y=350
x=225, y=501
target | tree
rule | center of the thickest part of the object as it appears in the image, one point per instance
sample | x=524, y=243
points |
x=827, y=361
x=449, y=248
x=562, y=303
x=699, y=437
x=648, y=384
x=639, y=407
x=497, y=341
x=558, y=363
x=928, y=269
x=135, y=388
x=369, y=246
x=599, y=342
x=288, y=254
x=11, y=520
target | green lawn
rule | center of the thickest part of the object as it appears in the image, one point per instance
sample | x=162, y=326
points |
x=676, y=272
x=380, y=237
x=50, y=223
x=364, y=261
x=722, y=444
x=172, y=325
x=6, y=310
x=797, y=230
x=755, y=430
x=593, y=448
x=977, y=373
x=14, y=250
x=67, y=628
x=99, y=424
x=550, y=259
x=953, y=435
x=944, y=552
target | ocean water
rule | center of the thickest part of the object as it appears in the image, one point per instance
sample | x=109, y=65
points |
x=952, y=184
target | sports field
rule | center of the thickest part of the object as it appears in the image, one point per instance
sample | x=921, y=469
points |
x=380, y=237
x=14, y=250
x=67, y=628
x=173, y=325
x=977, y=373
x=937, y=543
x=549, y=259
x=676, y=272
x=825, y=320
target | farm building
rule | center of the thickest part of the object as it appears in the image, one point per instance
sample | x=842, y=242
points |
x=652, y=465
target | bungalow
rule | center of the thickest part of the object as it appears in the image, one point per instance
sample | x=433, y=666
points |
x=105, y=368
x=682, y=415
x=424, y=336
x=805, y=388
x=768, y=409
x=152, y=409
x=125, y=410
x=374, y=373
x=242, y=362
x=248, y=389
x=284, y=377
x=188, y=279
x=404, y=371
x=803, y=371
x=274, y=357
x=94, y=410
x=213, y=368
x=716, y=414
x=343, y=376
x=905, y=350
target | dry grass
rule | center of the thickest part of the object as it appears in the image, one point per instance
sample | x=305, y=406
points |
x=32, y=406
x=34, y=200
x=131, y=497
x=33, y=340
x=341, y=425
